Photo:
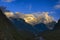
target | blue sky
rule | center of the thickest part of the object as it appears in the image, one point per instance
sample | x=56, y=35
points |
x=32, y=6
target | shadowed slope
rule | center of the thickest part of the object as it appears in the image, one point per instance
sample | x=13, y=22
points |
x=53, y=34
x=7, y=30
x=25, y=29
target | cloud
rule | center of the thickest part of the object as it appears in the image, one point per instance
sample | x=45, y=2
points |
x=57, y=6
x=32, y=18
x=9, y=14
x=41, y=17
x=44, y=17
x=7, y=0
x=58, y=1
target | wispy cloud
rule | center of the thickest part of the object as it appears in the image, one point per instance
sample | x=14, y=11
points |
x=7, y=0
x=57, y=6
x=58, y=1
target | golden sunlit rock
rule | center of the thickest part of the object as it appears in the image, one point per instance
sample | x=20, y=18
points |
x=32, y=18
x=29, y=18
x=45, y=18
x=9, y=14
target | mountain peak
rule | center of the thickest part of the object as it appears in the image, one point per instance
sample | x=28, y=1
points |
x=32, y=18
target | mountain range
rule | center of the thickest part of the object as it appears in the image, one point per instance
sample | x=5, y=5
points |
x=34, y=18
x=8, y=30
x=15, y=28
x=53, y=34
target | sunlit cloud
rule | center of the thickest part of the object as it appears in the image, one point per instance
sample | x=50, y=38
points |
x=44, y=17
x=33, y=18
x=7, y=0
x=9, y=14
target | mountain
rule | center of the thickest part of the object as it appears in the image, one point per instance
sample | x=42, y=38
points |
x=53, y=34
x=44, y=23
x=32, y=18
x=41, y=27
x=8, y=31
x=51, y=25
x=57, y=25
x=24, y=28
x=22, y=25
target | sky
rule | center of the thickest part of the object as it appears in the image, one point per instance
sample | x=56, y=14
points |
x=33, y=6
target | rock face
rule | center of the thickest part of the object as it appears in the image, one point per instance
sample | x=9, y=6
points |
x=41, y=27
x=32, y=19
x=25, y=29
x=53, y=34
x=7, y=30
x=57, y=26
x=29, y=18
x=44, y=18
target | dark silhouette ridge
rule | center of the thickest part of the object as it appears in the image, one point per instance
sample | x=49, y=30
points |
x=4, y=9
x=51, y=25
x=41, y=27
x=7, y=30
x=24, y=28
x=52, y=34
x=59, y=21
x=57, y=26
x=22, y=25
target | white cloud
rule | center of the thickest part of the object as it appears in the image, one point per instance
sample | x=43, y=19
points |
x=9, y=14
x=57, y=6
x=7, y=0
x=35, y=17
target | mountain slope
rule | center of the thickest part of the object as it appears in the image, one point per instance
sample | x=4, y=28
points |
x=53, y=34
x=7, y=30
x=22, y=25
